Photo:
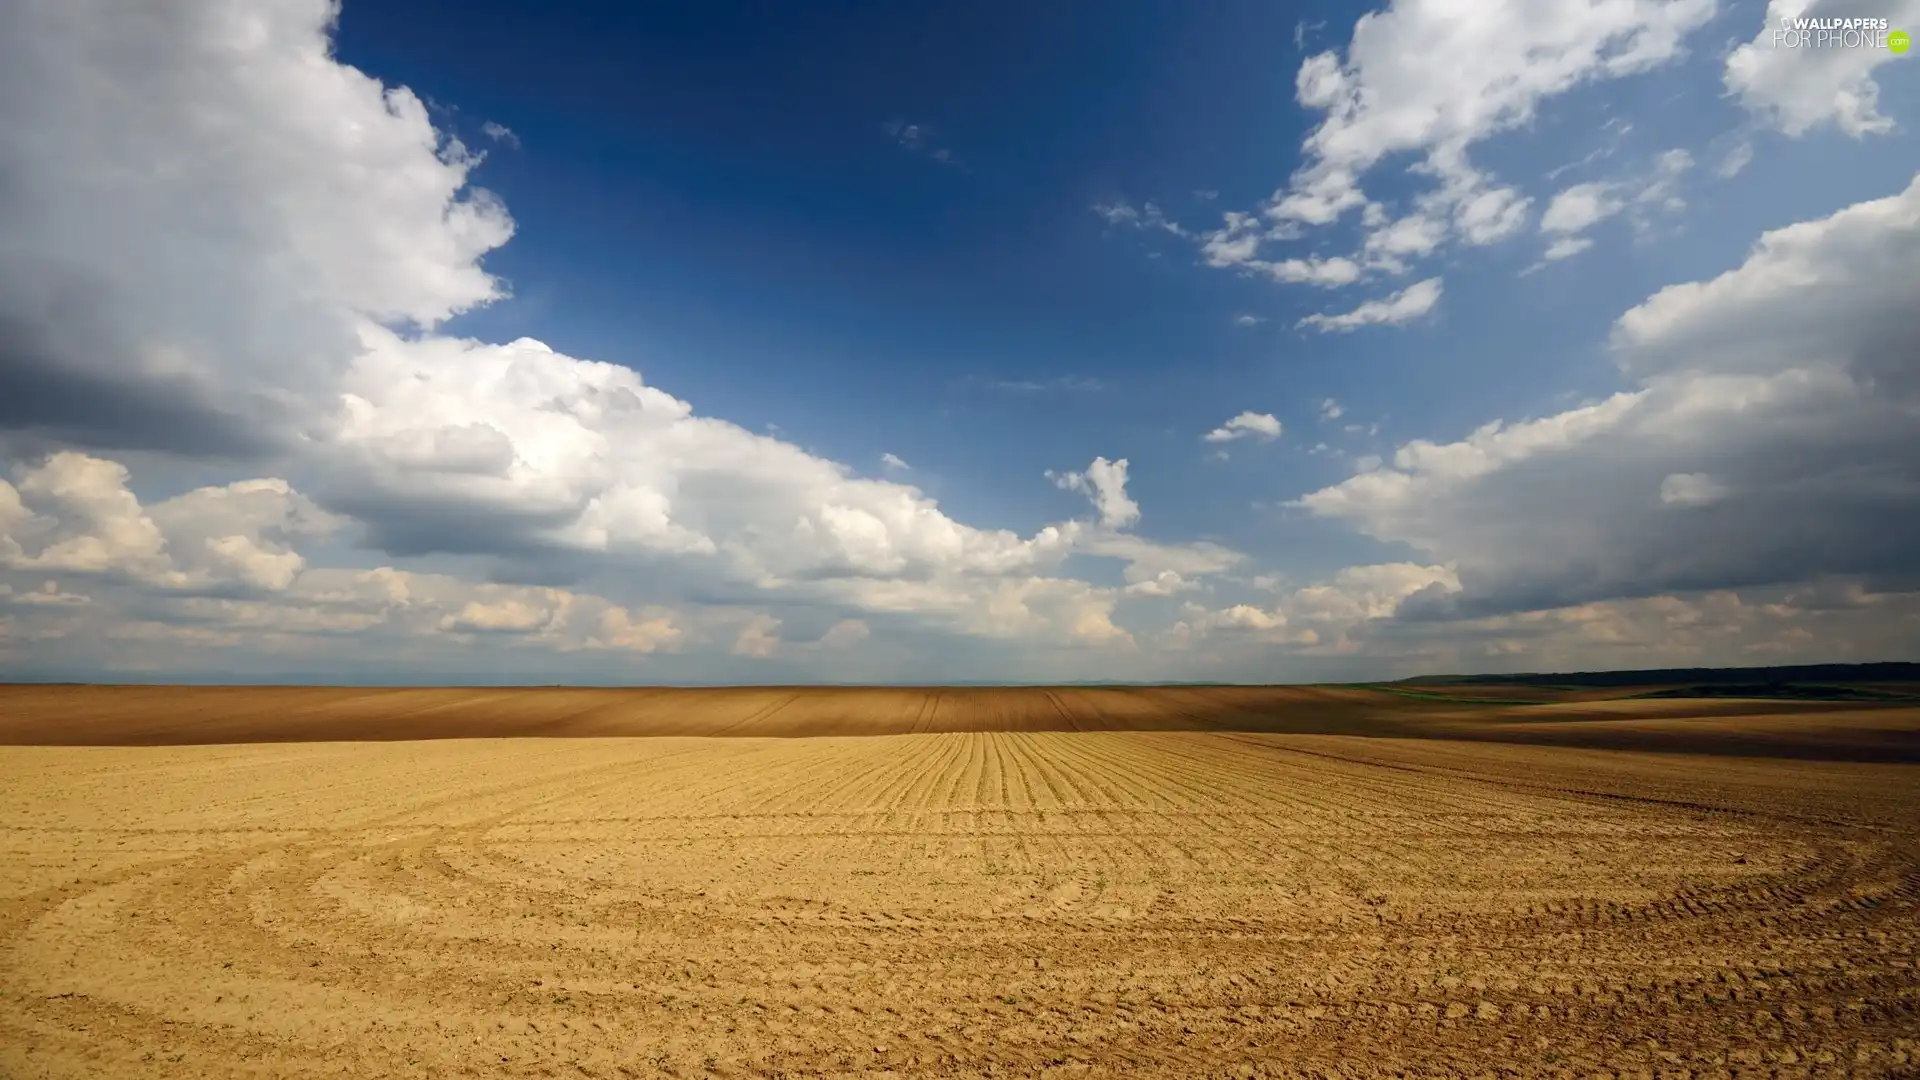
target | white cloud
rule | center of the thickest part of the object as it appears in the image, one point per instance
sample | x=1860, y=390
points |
x=1359, y=593
x=1330, y=617
x=621, y=630
x=1580, y=207
x=845, y=634
x=1145, y=216
x=1575, y=210
x=1359, y=621
x=1489, y=215
x=1736, y=161
x=250, y=244
x=394, y=613
x=1835, y=620
x=220, y=238
x=1771, y=440
x=1404, y=306
x=1407, y=83
x=73, y=513
x=1261, y=426
x=759, y=638
x=1566, y=247
x=500, y=133
x=893, y=461
x=1248, y=320
x=199, y=205
x=1147, y=561
x=1327, y=273
x=1234, y=243
x=1033, y=609
x=49, y=594
x=1434, y=78
x=510, y=616
x=1237, y=617
x=1660, y=188
x=1331, y=410
x=1412, y=237
x=220, y=559
x=1105, y=484
x=1799, y=89
x=1164, y=583
x=1691, y=489
x=575, y=456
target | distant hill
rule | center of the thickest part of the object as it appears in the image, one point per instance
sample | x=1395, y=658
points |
x=1801, y=674
x=1787, y=691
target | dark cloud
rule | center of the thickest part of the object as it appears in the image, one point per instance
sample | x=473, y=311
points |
x=1774, y=438
x=42, y=392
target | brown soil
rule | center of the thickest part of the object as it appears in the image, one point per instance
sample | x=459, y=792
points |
x=958, y=903
x=67, y=715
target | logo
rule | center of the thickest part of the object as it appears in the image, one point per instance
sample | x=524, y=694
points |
x=1801, y=32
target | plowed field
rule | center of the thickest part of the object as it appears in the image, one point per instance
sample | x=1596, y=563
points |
x=958, y=903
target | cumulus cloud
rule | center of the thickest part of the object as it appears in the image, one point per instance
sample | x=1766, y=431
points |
x=1576, y=209
x=1799, y=89
x=200, y=205
x=1330, y=273
x=1236, y=244
x=1403, y=87
x=759, y=638
x=223, y=559
x=1580, y=207
x=1736, y=161
x=223, y=241
x=620, y=629
x=569, y=455
x=1401, y=307
x=1389, y=620
x=1770, y=439
x=506, y=616
x=1247, y=425
x=1328, y=618
x=1164, y=583
x=227, y=246
x=1104, y=483
x=845, y=634
x=73, y=513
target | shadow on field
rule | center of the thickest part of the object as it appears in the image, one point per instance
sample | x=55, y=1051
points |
x=1616, y=718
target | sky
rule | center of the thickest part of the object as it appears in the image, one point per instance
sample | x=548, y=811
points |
x=847, y=342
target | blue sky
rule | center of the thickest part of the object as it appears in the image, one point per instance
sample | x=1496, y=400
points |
x=994, y=244
x=713, y=197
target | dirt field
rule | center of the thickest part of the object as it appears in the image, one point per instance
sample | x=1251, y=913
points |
x=1128, y=903
x=65, y=715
